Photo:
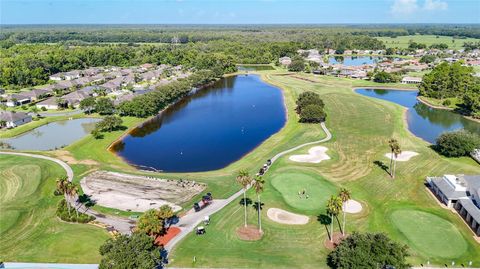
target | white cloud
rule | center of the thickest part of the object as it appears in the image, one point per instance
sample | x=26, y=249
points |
x=404, y=7
x=435, y=5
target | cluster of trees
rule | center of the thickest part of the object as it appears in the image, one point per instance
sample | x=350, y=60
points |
x=108, y=124
x=385, y=77
x=65, y=208
x=102, y=105
x=453, y=81
x=457, y=143
x=471, y=45
x=310, y=108
x=415, y=46
x=138, y=250
x=368, y=251
x=151, y=103
x=30, y=65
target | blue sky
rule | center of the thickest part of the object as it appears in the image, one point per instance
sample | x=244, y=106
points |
x=237, y=11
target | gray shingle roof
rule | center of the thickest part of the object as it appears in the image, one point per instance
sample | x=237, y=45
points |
x=471, y=208
x=447, y=189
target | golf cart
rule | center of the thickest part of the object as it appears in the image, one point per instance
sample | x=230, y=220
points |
x=200, y=230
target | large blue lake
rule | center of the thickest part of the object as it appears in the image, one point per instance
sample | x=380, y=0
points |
x=423, y=121
x=353, y=60
x=208, y=130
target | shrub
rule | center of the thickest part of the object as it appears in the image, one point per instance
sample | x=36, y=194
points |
x=368, y=251
x=447, y=102
x=297, y=65
x=457, y=143
x=312, y=114
x=71, y=215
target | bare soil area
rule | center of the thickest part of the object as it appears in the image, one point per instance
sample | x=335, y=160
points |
x=138, y=193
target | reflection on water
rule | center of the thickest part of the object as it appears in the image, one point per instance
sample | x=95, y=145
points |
x=246, y=67
x=209, y=129
x=423, y=121
x=53, y=135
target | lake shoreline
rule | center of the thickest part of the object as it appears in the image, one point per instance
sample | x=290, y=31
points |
x=425, y=102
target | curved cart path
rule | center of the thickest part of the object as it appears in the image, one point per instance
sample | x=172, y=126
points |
x=190, y=221
x=122, y=225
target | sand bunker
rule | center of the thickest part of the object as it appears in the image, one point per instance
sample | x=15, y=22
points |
x=404, y=156
x=315, y=155
x=352, y=207
x=285, y=217
x=138, y=193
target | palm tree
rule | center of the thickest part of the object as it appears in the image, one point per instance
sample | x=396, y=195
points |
x=334, y=204
x=397, y=151
x=73, y=191
x=393, y=143
x=258, y=186
x=344, y=195
x=62, y=187
x=244, y=179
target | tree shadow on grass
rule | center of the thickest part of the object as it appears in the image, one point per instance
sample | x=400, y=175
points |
x=86, y=200
x=255, y=205
x=325, y=220
x=248, y=201
x=382, y=166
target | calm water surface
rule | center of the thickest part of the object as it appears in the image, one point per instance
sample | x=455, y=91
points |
x=209, y=129
x=423, y=121
x=53, y=135
x=353, y=60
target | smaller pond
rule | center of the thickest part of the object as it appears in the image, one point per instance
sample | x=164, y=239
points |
x=423, y=121
x=358, y=60
x=246, y=67
x=53, y=135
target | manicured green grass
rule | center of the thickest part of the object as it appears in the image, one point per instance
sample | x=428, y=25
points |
x=289, y=184
x=403, y=41
x=361, y=127
x=429, y=234
x=29, y=228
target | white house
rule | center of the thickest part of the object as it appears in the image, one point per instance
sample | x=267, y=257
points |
x=11, y=119
x=462, y=193
x=411, y=80
x=57, y=77
x=286, y=61
x=50, y=103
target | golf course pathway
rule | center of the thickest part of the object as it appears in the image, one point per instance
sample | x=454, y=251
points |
x=120, y=224
x=190, y=221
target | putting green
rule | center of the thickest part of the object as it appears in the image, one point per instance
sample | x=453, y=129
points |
x=429, y=233
x=317, y=189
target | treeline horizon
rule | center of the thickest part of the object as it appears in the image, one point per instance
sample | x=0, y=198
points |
x=185, y=33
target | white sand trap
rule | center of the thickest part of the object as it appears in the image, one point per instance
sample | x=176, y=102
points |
x=315, y=155
x=352, y=207
x=404, y=156
x=285, y=217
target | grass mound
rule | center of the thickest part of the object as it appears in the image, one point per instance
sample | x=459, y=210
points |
x=317, y=189
x=29, y=229
x=429, y=233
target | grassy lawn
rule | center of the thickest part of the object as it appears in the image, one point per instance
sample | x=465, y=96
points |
x=289, y=184
x=402, y=41
x=29, y=229
x=361, y=127
x=429, y=234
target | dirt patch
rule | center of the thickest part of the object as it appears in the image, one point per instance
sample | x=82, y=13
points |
x=68, y=158
x=249, y=233
x=337, y=238
x=164, y=239
x=284, y=217
x=138, y=193
x=315, y=155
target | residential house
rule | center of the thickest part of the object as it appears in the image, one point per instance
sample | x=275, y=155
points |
x=17, y=100
x=57, y=77
x=411, y=80
x=462, y=193
x=50, y=103
x=73, y=99
x=92, y=71
x=113, y=85
x=72, y=75
x=285, y=61
x=37, y=94
x=11, y=119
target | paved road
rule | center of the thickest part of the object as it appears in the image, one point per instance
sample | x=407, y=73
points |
x=188, y=223
x=122, y=225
